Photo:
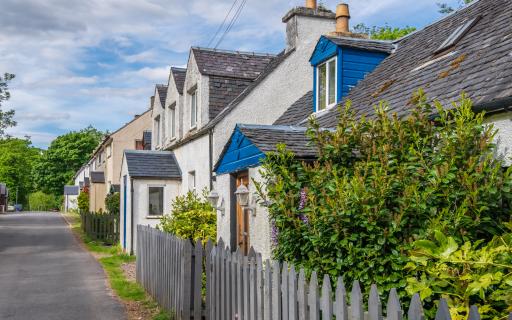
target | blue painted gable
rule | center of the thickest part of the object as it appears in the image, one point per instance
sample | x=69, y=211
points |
x=352, y=65
x=240, y=154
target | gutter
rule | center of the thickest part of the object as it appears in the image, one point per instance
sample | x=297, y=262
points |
x=210, y=160
x=131, y=216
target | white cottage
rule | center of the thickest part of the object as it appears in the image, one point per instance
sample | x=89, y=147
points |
x=150, y=180
x=445, y=58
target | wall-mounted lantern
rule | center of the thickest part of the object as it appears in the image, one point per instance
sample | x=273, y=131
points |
x=243, y=198
x=213, y=198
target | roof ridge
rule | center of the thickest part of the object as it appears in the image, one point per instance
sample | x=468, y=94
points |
x=360, y=39
x=178, y=69
x=449, y=15
x=262, y=54
x=271, y=127
x=149, y=151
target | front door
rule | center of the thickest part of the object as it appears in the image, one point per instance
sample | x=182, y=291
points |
x=242, y=217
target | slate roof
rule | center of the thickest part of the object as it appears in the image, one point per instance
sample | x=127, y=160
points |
x=162, y=93
x=479, y=64
x=363, y=44
x=223, y=91
x=232, y=64
x=71, y=190
x=267, y=137
x=281, y=57
x=152, y=164
x=179, y=77
x=97, y=177
x=298, y=111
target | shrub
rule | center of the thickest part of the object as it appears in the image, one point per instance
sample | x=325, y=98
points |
x=192, y=217
x=83, y=200
x=113, y=202
x=41, y=201
x=379, y=184
x=474, y=273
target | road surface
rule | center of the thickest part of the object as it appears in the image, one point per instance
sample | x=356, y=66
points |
x=46, y=274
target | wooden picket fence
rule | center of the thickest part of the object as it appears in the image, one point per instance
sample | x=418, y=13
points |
x=240, y=287
x=101, y=226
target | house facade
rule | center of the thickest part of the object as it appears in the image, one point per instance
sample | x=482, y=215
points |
x=71, y=197
x=445, y=59
x=105, y=165
x=220, y=88
x=146, y=194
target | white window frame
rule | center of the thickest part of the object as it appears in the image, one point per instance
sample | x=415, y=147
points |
x=157, y=130
x=193, y=111
x=149, y=215
x=172, y=121
x=317, y=98
x=192, y=180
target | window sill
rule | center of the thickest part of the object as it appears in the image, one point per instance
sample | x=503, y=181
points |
x=193, y=128
x=154, y=217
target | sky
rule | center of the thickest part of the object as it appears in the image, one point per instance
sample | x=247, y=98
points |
x=95, y=62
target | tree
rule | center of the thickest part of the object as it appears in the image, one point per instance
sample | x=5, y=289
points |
x=6, y=117
x=383, y=33
x=445, y=8
x=17, y=159
x=66, y=154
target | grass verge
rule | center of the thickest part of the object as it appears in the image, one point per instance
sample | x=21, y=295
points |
x=138, y=303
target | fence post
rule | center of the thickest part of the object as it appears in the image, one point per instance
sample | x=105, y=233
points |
x=186, y=268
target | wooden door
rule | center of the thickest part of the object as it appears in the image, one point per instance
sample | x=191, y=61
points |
x=242, y=217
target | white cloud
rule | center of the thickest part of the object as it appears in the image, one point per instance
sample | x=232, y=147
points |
x=96, y=61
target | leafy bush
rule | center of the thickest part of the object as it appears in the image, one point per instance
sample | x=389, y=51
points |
x=474, y=273
x=113, y=202
x=41, y=201
x=380, y=184
x=83, y=200
x=192, y=217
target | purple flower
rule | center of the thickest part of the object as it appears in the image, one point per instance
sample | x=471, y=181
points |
x=302, y=205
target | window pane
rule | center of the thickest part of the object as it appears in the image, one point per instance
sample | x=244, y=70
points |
x=322, y=86
x=332, y=81
x=156, y=201
x=193, y=109
x=173, y=123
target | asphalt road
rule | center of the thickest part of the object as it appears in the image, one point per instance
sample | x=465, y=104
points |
x=46, y=274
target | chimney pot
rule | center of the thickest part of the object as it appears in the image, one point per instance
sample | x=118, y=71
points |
x=311, y=4
x=342, y=18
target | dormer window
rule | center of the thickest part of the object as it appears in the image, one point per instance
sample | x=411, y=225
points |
x=193, y=109
x=326, y=96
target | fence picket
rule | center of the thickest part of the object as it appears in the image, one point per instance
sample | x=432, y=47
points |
x=276, y=291
x=374, y=305
x=314, y=313
x=239, y=285
x=340, y=304
x=443, y=312
x=259, y=287
x=302, y=296
x=393, y=309
x=245, y=287
x=292, y=289
x=473, y=313
x=356, y=302
x=267, y=290
x=284, y=290
x=326, y=302
x=415, y=309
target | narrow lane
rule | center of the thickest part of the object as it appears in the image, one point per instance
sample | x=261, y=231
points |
x=46, y=274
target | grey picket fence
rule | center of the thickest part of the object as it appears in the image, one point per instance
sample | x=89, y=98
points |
x=101, y=226
x=214, y=283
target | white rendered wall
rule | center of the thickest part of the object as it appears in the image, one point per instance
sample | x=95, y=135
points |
x=173, y=96
x=259, y=224
x=193, y=78
x=284, y=86
x=503, y=122
x=194, y=156
x=158, y=111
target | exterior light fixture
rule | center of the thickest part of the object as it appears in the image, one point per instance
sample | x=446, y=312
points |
x=242, y=197
x=213, y=199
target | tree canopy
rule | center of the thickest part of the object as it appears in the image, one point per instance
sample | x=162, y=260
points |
x=17, y=159
x=66, y=154
x=383, y=33
x=6, y=117
x=445, y=8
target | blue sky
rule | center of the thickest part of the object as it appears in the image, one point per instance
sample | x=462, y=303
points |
x=95, y=62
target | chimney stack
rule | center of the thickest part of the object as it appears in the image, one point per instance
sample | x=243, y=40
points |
x=311, y=4
x=342, y=18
